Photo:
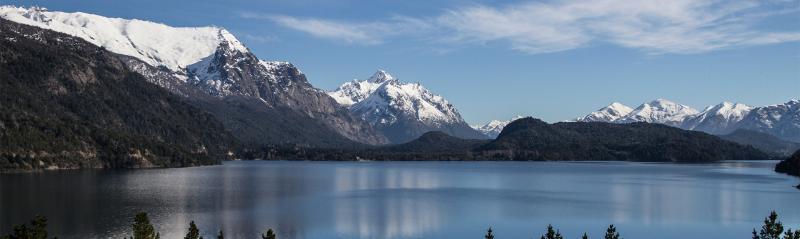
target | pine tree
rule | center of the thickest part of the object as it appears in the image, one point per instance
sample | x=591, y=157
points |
x=489, y=234
x=611, y=232
x=791, y=235
x=38, y=230
x=270, y=235
x=585, y=236
x=772, y=228
x=142, y=229
x=220, y=235
x=193, y=233
x=551, y=233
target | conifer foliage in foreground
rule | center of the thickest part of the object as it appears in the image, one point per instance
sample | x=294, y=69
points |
x=144, y=229
x=37, y=230
x=773, y=229
x=489, y=234
x=193, y=233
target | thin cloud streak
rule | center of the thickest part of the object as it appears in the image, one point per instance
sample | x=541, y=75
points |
x=656, y=27
x=357, y=33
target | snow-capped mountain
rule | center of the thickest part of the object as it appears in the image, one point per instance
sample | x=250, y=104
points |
x=403, y=111
x=660, y=111
x=781, y=120
x=210, y=66
x=355, y=91
x=717, y=119
x=610, y=113
x=494, y=127
x=154, y=43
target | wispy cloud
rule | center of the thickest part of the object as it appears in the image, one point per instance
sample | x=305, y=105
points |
x=360, y=33
x=675, y=26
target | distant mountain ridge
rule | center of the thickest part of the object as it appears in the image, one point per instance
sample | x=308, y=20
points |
x=659, y=111
x=610, y=113
x=781, y=120
x=532, y=139
x=402, y=111
x=494, y=127
x=763, y=141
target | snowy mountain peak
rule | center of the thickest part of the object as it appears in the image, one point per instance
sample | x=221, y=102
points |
x=610, y=113
x=717, y=119
x=660, y=111
x=380, y=76
x=389, y=104
x=392, y=99
x=154, y=43
x=729, y=109
x=494, y=127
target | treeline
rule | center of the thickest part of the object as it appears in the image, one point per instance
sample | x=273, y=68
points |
x=143, y=229
x=530, y=139
x=772, y=229
x=790, y=165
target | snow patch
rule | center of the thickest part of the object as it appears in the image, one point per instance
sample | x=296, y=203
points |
x=154, y=43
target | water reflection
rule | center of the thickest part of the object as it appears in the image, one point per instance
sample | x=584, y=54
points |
x=403, y=209
x=407, y=199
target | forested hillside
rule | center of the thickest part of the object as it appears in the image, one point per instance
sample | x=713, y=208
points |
x=67, y=104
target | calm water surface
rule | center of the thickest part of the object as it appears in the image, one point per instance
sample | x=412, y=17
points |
x=409, y=199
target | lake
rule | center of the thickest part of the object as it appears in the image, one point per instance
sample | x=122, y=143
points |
x=409, y=199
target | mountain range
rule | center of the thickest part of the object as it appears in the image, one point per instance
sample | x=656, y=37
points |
x=216, y=89
x=260, y=102
x=781, y=120
x=779, y=124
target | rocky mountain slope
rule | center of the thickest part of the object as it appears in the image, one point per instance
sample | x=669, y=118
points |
x=215, y=71
x=402, y=111
x=718, y=119
x=69, y=104
x=781, y=120
x=763, y=141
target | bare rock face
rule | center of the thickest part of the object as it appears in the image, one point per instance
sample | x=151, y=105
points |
x=230, y=73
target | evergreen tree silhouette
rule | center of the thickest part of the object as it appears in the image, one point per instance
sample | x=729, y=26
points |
x=551, y=233
x=142, y=228
x=193, y=233
x=270, y=234
x=37, y=230
x=611, y=232
x=489, y=234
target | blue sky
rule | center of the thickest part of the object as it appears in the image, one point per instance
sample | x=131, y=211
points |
x=554, y=60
